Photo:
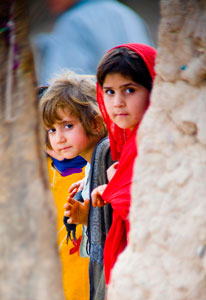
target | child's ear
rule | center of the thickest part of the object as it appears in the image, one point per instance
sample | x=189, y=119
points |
x=96, y=125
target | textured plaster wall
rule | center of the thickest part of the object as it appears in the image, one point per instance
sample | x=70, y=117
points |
x=166, y=255
x=30, y=268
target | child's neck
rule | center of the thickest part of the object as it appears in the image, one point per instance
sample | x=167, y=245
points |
x=87, y=155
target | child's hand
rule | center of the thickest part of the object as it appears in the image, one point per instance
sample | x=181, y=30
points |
x=96, y=196
x=77, y=186
x=76, y=211
x=111, y=170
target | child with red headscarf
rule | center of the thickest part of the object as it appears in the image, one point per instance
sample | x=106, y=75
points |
x=125, y=76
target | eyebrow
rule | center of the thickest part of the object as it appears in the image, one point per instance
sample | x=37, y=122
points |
x=121, y=86
x=63, y=121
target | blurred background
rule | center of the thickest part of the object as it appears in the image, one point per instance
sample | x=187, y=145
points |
x=42, y=20
x=149, y=10
x=75, y=34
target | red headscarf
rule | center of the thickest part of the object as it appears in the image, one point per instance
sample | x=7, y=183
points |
x=118, y=191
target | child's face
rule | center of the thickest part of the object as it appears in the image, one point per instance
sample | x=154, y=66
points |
x=68, y=137
x=125, y=100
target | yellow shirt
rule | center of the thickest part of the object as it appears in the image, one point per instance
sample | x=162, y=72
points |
x=75, y=269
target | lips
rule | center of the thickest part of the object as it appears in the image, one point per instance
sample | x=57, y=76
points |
x=65, y=148
x=121, y=114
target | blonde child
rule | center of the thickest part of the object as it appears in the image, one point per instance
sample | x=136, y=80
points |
x=75, y=127
x=62, y=173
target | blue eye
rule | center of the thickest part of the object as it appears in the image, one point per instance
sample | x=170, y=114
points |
x=51, y=130
x=130, y=90
x=109, y=92
x=68, y=126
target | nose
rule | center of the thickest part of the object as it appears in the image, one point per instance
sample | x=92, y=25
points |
x=60, y=138
x=118, y=100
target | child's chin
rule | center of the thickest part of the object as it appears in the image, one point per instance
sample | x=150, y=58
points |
x=69, y=156
x=122, y=126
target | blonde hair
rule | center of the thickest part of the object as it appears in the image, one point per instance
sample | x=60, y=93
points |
x=77, y=94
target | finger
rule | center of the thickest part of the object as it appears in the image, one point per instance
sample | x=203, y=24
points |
x=67, y=213
x=94, y=192
x=94, y=198
x=100, y=202
x=73, y=193
x=81, y=186
x=71, y=200
x=86, y=202
x=94, y=201
x=73, y=186
x=68, y=206
x=70, y=221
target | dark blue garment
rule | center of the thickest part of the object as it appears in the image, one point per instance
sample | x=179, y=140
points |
x=69, y=166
